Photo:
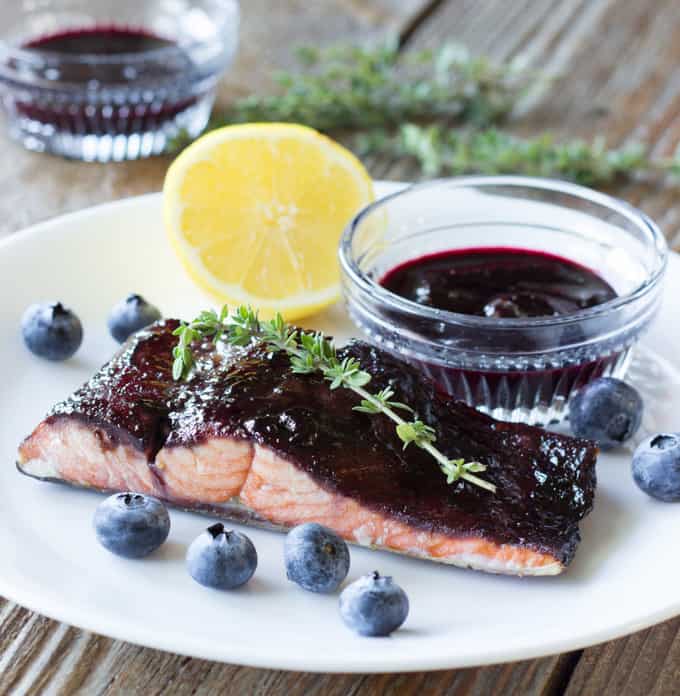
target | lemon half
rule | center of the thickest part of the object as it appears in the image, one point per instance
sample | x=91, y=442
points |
x=255, y=213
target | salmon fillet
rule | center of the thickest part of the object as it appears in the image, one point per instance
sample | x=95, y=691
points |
x=246, y=439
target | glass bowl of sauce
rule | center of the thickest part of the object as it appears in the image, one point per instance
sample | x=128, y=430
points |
x=511, y=293
x=109, y=80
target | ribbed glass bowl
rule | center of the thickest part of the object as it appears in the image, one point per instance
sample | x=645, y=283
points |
x=519, y=369
x=99, y=106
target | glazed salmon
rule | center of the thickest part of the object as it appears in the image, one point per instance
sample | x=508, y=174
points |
x=247, y=439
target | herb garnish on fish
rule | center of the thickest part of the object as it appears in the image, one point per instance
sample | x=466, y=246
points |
x=311, y=351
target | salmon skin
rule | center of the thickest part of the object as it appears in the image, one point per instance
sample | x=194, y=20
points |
x=247, y=439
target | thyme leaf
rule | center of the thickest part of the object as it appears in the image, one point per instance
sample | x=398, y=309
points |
x=309, y=352
x=441, y=150
x=347, y=88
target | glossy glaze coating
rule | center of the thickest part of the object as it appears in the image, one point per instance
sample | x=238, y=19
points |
x=545, y=481
x=499, y=282
x=103, y=41
x=129, y=398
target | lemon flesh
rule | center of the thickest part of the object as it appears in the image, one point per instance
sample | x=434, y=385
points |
x=255, y=212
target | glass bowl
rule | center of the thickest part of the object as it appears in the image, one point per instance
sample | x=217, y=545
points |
x=516, y=369
x=102, y=80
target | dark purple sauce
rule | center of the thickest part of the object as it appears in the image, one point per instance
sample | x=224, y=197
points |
x=162, y=81
x=499, y=282
x=101, y=41
x=507, y=283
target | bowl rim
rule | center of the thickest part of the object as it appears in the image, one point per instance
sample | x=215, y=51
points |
x=640, y=219
x=9, y=51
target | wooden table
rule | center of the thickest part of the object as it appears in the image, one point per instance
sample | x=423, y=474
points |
x=616, y=65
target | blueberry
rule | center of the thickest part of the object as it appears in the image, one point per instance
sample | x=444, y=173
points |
x=607, y=410
x=316, y=558
x=51, y=331
x=130, y=315
x=221, y=558
x=656, y=466
x=374, y=605
x=131, y=525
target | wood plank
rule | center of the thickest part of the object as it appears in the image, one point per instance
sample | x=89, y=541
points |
x=73, y=661
x=645, y=663
x=271, y=31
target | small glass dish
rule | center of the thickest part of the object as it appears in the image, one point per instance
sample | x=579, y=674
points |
x=516, y=369
x=103, y=80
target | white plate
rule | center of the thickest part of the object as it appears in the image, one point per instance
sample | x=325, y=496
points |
x=625, y=575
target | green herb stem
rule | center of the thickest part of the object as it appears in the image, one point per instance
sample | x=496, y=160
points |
x=444, y=461
x=347, y=88
x=312, y=352
x=443, y=150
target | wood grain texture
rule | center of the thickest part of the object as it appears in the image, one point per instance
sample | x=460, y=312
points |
x=614, y=64
x=645, y=663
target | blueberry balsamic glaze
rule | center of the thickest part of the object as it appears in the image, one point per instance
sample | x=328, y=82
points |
x=499, y=283
x=506, y=283
x=86, y=101
x=102, y=41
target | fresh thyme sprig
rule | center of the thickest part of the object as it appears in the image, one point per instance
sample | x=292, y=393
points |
x=449, y=101
x=347, y=88
x=440, y=150
x=311, y=352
